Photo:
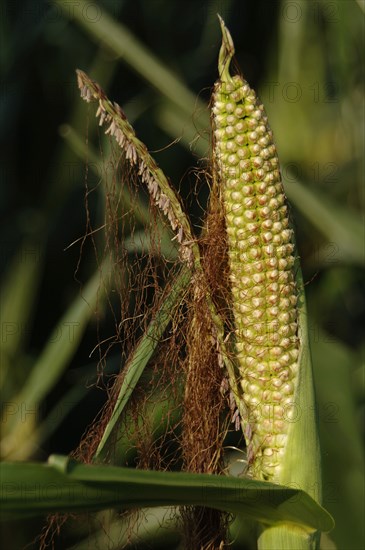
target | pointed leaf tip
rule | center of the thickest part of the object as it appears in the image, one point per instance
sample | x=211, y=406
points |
x=226, y=52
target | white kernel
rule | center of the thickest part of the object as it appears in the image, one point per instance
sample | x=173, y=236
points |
x=230, y=146
x=245, y=164
x=254, y=149
x=258, y=290
x=258, y=278
x=243, y=153
x=220, y=120
x=229, y=131
x=238, y=221
x=257, y=162
x=255, y=253
x=273, y=299
x=247, y=177
x=283, y=211
x=290, y=412
x=284, y=317
x=276, y=396
x=267, y=237
x=269, y=250
x=252, y=227
x=273, y=287
x=248, y=190
x=232, y=160
x=236, y=196
x=241, y=234
x=285, y=343
x=277, y=227
x=274, y=205
x=262, y=187
x=288, y=388
x=218, y=106
x=259, y=267
x=245, y=282
x=274, y=366
x=271, y=191
x=273, y=275
x=251, y=123
x=240, y=127
x=239, y=112
x=285, y=276
x=236, y=208
x=257, y=302
x=265, y=154
x=276, y=382
x=232, y=183
x=286, y=234
x=265, y=213
x=272, y=262
x=276, y=351
x=230, y=107
x=242, y=244
x=243, y=308
x=252, y=136
x=231, y=119
x=259, y=174
x=285, y=359
x=264, y=141
x=249, y=202
x=249, y=334
x=254, y=401
x=254, y=389
x=220, y=133
x=250, y=361
x=257, y=314
x=274, y=339
x=293, y=300
x=262, y=199
x=254, y=240
x=250, y=214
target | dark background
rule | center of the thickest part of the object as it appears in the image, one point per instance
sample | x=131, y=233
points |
x=306, y=61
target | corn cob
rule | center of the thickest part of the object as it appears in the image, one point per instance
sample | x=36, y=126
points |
x=261, y=260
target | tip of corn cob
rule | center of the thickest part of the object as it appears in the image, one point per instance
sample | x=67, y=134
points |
x=226, y=52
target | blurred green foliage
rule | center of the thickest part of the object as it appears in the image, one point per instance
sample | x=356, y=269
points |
x=306, y=60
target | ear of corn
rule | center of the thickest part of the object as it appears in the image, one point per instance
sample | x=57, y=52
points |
x=275, y=379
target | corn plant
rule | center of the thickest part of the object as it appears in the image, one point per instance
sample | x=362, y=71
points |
x=239, y=296
x=214, y=349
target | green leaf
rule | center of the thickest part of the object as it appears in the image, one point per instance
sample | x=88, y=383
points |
x=344, y=229
x=65, y=486
x=145, y=350
x=19, y=292
x=52, y=362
